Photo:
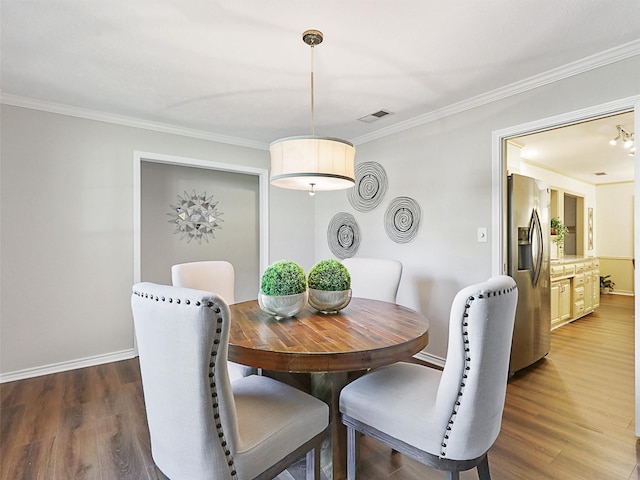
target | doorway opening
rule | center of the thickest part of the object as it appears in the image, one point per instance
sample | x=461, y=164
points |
x=500, y=171
x=573, y=213
x=586, y=173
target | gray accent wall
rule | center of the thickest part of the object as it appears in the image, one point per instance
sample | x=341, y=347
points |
x=237, y=241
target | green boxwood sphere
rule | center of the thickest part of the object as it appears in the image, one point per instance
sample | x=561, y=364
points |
x=329, y=275
x=283, y=278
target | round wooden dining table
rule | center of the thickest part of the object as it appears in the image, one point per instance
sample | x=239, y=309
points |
x=331, y=347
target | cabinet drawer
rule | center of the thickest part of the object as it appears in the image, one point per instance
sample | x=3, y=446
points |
x=578, y=293
x=557, y=270
x=569, y=270
x=578, y=280
x=579, y=267
x=578, y=308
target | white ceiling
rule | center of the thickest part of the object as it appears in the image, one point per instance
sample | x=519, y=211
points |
x=239, y=69
x=580, y=151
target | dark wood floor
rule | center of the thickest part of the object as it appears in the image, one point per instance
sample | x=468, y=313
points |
x=569, y=417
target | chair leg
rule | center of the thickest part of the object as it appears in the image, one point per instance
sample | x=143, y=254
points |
x=483, y=469
x=313, y=464
x=353, y=446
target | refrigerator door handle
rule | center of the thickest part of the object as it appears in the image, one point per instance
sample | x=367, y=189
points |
x=536, y=240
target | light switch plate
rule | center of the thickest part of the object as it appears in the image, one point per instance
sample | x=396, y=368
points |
x=482, y=234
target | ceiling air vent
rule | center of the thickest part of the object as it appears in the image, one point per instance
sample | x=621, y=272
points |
x=374, y=116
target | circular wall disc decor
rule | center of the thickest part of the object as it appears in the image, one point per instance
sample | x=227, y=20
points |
x=402, y=219
x=343, y=235
x=195, y=216
x=370, y=186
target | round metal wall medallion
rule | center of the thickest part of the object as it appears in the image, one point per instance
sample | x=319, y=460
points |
x=343, y=235
x=370, y=187
x=402, y=219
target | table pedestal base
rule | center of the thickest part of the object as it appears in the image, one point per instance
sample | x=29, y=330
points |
x=327, y=387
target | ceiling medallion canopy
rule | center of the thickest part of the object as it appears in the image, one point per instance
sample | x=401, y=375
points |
x=311, y=162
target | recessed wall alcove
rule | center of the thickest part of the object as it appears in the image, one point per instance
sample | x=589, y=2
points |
x=242, y=196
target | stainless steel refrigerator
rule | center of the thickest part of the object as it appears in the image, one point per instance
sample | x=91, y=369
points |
x=528, y=263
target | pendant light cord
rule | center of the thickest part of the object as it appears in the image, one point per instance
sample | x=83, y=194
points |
x=313, y=127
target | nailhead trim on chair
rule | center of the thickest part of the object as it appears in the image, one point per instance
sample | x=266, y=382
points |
x=212, y=373
x=467, y=363
x=467, y=360
x=214, y=393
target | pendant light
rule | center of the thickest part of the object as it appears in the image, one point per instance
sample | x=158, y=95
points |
x=311, y=162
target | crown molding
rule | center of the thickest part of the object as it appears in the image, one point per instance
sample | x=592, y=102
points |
x=601, y=59
x=34, y=104
x=572, y=177
x=574, y=68
x=531, y=163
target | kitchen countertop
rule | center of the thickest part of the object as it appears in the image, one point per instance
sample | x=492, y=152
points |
x=570, y=259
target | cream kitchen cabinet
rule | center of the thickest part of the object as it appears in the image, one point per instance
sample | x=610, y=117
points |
x=578, y=294
x=560, y=302
x=575, y=288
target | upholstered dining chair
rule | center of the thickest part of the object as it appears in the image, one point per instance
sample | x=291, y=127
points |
x=445, y=419
x=201, y=425
x=216, y=276
x=374, y=278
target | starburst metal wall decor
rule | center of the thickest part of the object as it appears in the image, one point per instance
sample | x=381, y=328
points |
x=195, y=216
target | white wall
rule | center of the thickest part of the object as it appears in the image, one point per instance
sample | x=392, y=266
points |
x=614, y=224
x=67, y=234
x=67, y=241
x=614, y=220
x=446, y=166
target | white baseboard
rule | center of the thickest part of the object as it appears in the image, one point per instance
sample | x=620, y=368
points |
x=619, y=292
x=69, y=365
x=432, y=359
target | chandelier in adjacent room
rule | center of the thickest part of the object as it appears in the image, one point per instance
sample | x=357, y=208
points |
x=627, y=139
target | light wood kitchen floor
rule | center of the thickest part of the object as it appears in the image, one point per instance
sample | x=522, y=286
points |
x=570, y=417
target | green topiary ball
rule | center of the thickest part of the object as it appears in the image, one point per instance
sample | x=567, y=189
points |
x=329, y=275
x=283, y=278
